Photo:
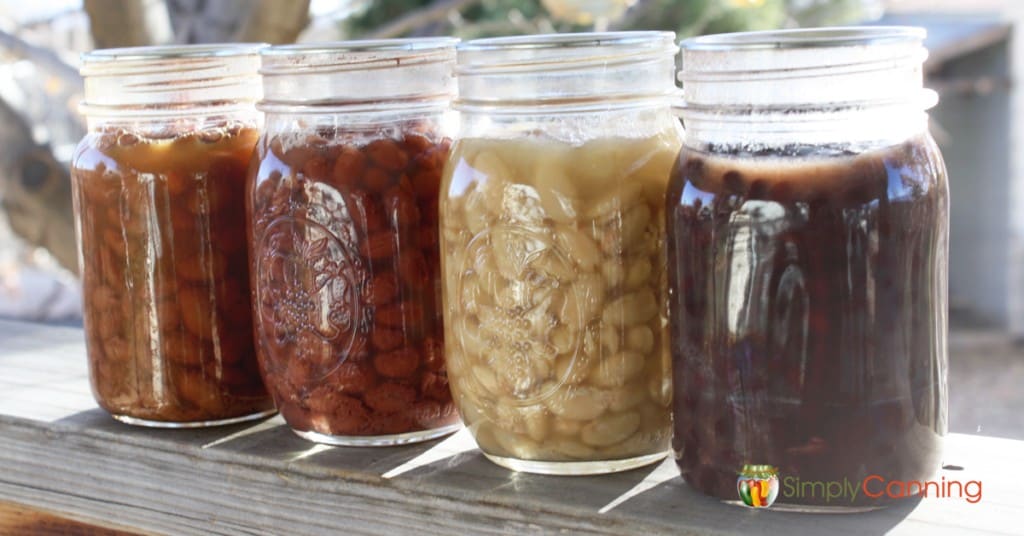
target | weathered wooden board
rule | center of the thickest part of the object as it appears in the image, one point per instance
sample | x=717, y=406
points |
x=60, y=453
x=19, y=519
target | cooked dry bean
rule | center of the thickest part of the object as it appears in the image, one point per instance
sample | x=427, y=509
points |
x=617, y=369
x=566, y=427
x=614, y=272
x=581, y=247
x=563, y=339
x=640, y=338
x=609, y=339
x=574, y=449
x=578, y=403
x=610, y=429
x=631, y=309
x=638, y=274
x=628, y=396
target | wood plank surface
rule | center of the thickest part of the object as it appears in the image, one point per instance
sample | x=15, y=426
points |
x=59, y=452
x=20, y=519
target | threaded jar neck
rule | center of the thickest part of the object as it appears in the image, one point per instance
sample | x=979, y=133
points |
x=359, y=75
x=829, y=85
x=566, y=72
x=170, y=81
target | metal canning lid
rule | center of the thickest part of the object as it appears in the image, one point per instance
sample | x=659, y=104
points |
x=806, y=38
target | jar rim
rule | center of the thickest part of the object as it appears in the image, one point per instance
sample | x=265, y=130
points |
x=566, y=40
x=410, y=44
x=806, y=38
x=162, y=52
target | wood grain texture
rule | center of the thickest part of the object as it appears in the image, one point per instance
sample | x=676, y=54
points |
x=19, y=519
x=58, y=452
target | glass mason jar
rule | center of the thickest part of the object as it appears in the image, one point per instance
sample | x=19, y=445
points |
x=552, y=239
x=807, y=254
x=162, y=237
x=342, y=198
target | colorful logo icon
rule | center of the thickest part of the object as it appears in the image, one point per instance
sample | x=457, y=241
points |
x=758, y=485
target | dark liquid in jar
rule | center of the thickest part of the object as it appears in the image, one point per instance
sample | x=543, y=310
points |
x=808, y=299
x=345, y=266
x=168, y=321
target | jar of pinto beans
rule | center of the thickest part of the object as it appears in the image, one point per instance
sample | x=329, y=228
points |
x=342, y=199
x=161, y=232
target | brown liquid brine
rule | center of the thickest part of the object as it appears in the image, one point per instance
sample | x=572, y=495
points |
x=345, y=276
x=808, y=315
x=168, y=320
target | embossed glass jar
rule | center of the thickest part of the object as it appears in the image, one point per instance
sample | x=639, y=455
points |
x=807, y=254
x=552, y=236
x=342, y=198
x=162, y=237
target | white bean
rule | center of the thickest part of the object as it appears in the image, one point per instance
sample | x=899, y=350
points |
x=609, y=339
x=537, y=423
x=626, y=232
x=554, y=265
x=494, y=177
x=634, y=224
x=574, y=449
x=469, y=409
x=610, y=429
x=660, y=389
x=563, y=339
x=486, y=379
x=572, y=369
x=558, y=196
x=589, y=290
x=579, y=247
x=638, y=274
x=617, y=369
x=610, y=204
x=516, y=445
x=654, y=418
x=469, y=334
x=628, y=396
x=631, y=309
x=471, y=294
x=476, y=213
x=640, y=338
x=520, y=205
x=566, y=427
x=579, y=403
x=614, y=272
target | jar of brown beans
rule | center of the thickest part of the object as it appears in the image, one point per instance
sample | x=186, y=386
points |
x=342, y=198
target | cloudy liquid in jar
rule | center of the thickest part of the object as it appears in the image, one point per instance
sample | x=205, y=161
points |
x=554, y=277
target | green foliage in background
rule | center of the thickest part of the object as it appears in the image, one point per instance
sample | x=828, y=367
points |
x=685, y=17
x=696, y=17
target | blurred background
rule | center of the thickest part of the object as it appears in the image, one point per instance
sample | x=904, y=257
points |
x=973, y=62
